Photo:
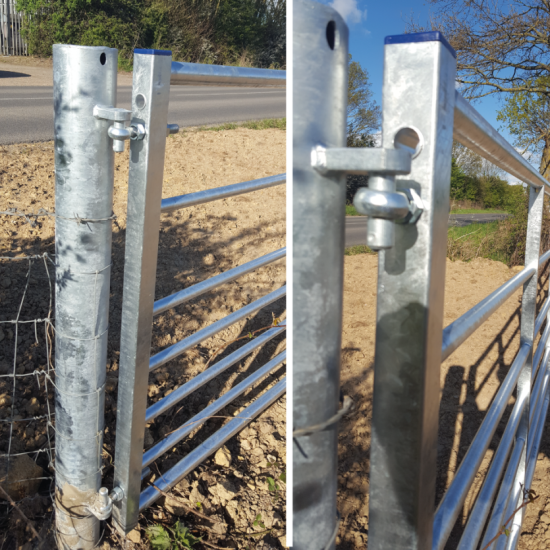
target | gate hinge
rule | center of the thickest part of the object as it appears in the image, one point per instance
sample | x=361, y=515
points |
x=380, y=201
x=102, y=506
x=122, y=130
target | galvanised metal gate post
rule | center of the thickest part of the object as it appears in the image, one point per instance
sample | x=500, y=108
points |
x=320, y=100
x=84, y=171
x=150, y=96
x=418, y=98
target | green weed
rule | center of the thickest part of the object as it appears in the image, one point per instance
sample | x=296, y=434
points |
x=171, y=538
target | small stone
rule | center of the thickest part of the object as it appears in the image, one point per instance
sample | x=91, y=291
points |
x=545, y=518
x=5, y=400
x=223, y=457
x=134, y=535
x=282, y=540
x=209, y=259
x=5, y=282
x=33, y=406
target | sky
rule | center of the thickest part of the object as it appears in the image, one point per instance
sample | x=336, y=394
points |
x=370, y=21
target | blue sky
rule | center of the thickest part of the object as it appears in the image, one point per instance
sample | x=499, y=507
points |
x=370, y=21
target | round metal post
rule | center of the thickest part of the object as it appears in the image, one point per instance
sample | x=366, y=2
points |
x=84, y=172
x=320, y=99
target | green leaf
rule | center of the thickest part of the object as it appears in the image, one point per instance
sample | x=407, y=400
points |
x=184, y=536
x=507, y=532
x=159, y=538
x=282, y=477
x=271, y=484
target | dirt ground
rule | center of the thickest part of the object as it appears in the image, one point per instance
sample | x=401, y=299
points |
x=470, y=378
x=36, y=71
x=195, y=244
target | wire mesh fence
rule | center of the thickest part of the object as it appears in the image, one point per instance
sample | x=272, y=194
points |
x=27, y=379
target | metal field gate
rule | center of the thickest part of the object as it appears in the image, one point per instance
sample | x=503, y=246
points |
x=407, y=204
x=11, y=21
x=88, y=130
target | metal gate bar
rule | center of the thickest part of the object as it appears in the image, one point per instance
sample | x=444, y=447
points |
x=161, y=406
x=197, y=74
x=184, y=201
x=144, y=210
x=178, y=348
x=211, y=445
x=176, y=436
x=201, y=288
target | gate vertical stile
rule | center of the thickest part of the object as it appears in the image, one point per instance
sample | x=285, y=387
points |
x=150, y=96
x=528, y=314
x=320, y=99
x=418, y=93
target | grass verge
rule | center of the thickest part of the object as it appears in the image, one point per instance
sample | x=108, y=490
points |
x=478, y=240
x=359, y=249
x=477, y=211
x=264, y=124
x=351, y=211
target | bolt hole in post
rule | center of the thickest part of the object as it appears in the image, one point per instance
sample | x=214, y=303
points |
x=140, y=101
x=102, y=58
x=332, y=35
x=410, y=140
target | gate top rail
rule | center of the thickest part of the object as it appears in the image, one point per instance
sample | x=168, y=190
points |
x=197, y=74
x=474, y=132
x=208, y=195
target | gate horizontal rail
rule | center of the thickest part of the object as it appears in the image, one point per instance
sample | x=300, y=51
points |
x=201, y=288
x=178, y=348
x=197, y=74
x=176, y=436
x=161, y=406
x=145, y=207
x=192, y=199
x=474, y=132
x=211, y=445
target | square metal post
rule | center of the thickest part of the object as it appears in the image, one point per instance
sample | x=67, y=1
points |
x=527, y=334
x=150, y=95
x=320, y=98
x=418, y=94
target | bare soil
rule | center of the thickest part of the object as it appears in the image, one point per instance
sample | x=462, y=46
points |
x=470, y=378
x=195, y=244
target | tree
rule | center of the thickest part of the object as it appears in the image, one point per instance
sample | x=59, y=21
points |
x=502, y=48
x=225, y=32
x=527, y=116
x=363, y=120
x=363, y=113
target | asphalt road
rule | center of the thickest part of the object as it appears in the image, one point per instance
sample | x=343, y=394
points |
x=26, y=112
x=356, y=226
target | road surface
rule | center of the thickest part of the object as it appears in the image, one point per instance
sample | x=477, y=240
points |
x=26, y=112
x=356, y=226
